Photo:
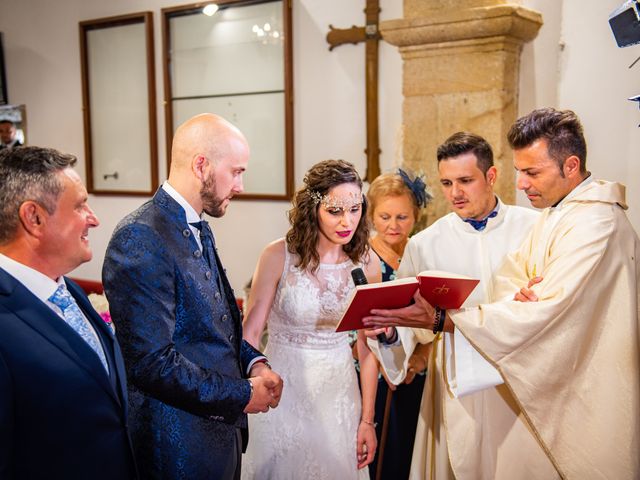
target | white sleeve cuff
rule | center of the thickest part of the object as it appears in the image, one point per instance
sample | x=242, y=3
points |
x=467, y=370
x=261, y=358
x=394, y=358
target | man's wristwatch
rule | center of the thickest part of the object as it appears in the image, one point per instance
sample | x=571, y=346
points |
x=251, y=391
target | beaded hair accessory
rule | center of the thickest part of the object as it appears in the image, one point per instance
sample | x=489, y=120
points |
x=418, y=188
x=329, y=201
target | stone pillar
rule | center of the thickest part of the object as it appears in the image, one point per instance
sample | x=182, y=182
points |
x=460, y=72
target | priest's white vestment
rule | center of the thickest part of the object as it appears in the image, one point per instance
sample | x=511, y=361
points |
x=571, y=361
x=485, y=428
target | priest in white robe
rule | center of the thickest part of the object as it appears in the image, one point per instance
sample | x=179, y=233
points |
x=472, y=241
x=569, y=359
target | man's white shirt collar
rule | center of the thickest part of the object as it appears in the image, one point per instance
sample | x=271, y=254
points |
x=191, y=214
x=36, y=282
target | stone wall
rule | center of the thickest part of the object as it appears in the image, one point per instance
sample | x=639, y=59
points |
x=460, y=72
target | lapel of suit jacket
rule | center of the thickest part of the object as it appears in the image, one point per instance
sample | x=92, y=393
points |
x=108, y=339
x=26, y=306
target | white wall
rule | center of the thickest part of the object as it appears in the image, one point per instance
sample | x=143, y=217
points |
x=595, y=80
x=589, y=75
x=575, y=63
x=43, y=68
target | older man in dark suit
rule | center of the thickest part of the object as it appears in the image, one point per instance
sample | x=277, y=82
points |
x=63, y=400
x=193, y=378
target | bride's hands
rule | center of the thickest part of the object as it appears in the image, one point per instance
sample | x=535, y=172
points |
x=367, y=443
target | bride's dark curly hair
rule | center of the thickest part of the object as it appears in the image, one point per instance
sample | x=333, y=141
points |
x=302, y=237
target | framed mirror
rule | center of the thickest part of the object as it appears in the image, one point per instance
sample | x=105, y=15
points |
x=4, y=96
x=118, y=92
x=234, y=58
x=13, y=126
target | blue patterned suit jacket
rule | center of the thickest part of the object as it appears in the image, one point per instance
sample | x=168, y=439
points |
x=181, y=335
x=61, y=414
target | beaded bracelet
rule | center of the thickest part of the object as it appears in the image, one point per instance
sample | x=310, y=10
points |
x=439, y=317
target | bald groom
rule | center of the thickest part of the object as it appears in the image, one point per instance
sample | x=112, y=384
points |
x=192, y=377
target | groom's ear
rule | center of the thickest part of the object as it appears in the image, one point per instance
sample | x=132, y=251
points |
x=199, y=167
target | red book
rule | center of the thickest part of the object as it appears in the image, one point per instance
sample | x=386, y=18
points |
x=441, y=289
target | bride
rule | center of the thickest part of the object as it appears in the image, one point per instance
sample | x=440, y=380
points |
x=321, y=429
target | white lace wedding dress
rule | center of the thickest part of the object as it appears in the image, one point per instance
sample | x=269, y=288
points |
x=312, y=433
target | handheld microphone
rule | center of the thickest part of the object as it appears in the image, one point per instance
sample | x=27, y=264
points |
x=359, y=278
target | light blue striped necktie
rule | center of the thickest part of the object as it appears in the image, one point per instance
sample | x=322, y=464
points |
x=76, y=320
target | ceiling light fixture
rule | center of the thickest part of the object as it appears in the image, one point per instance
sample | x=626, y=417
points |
x=210, y=9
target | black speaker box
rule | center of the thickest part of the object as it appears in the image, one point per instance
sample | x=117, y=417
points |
x=625, y=23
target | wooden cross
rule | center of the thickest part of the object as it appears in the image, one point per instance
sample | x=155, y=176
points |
x=370, y=35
